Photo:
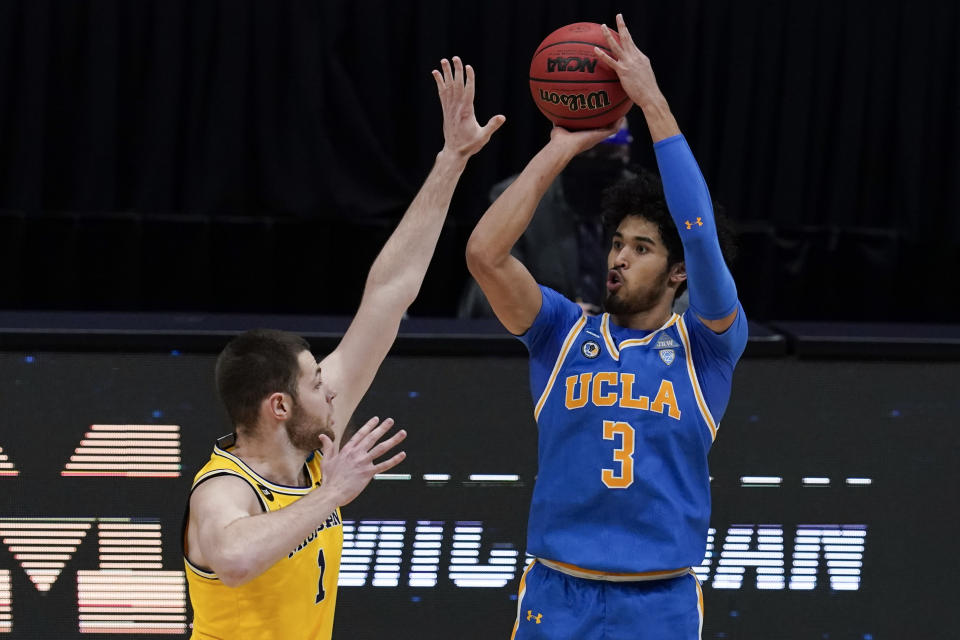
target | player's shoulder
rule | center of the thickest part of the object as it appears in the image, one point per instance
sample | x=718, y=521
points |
x=727, y=345
x=557, y=309
x=225, y=490
x=224, y=478
x=557, y=315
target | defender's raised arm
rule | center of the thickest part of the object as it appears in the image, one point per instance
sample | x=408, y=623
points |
x=398, y=272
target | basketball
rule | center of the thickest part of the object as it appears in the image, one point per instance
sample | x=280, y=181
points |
x=569, y=83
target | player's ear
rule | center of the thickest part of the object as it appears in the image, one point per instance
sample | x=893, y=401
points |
x=678, y=273
x=277, y=406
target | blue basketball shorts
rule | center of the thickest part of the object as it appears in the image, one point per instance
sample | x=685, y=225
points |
x=556, y=606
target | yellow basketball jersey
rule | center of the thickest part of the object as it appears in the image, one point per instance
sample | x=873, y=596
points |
x=296, y=597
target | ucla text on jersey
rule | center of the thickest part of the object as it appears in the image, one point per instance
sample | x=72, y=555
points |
x=625, y=424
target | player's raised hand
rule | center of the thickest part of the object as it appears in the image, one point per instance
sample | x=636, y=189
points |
x=348, y=471
x=462, y=133
x=631, y=65
x=575, y=142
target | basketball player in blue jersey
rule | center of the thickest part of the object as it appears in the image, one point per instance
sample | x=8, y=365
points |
x=627, y=403
x=263, y=533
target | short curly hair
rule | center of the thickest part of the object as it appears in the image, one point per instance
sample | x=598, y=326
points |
x=640, y=194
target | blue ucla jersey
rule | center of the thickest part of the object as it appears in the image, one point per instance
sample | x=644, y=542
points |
x=625, y=421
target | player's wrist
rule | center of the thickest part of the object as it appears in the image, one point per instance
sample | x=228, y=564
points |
x=653, y=105
x=562, y=149
x=660, y=120
x=453, y=158
x=329, y=495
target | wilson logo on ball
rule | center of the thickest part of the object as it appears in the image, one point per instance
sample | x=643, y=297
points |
x=577, y=101
x=586, y=65
x=569, y=82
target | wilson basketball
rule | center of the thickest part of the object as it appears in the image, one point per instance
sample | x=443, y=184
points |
x=569, y=83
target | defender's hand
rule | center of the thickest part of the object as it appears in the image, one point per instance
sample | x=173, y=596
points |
x=347, y=472
x=462, y=133
x=631, y=65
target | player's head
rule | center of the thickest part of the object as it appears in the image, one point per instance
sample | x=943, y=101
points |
x=267, y=377
x=645, y=260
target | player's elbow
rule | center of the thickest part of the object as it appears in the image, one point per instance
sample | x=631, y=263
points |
x=234, y=568
x=481, y=258
x=232, y=580
x=397, y=294
x=393, y=282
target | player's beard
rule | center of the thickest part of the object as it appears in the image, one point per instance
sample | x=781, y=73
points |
x=618, y=305
x=303, y=429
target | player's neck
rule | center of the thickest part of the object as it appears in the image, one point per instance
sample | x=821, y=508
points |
x=647, y=320
x=272, y=456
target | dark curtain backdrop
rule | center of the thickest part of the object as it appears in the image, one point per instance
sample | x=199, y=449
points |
x=182, y=154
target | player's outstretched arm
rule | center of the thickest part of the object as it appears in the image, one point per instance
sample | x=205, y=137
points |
x=229, y=533
x=510, y=288
x=713, y=294
x=397, y=273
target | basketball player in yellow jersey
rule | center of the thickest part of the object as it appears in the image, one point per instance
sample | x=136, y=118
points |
x=262, y=533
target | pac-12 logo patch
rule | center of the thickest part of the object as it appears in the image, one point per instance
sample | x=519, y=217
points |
x=668, y=356
x=590, y=349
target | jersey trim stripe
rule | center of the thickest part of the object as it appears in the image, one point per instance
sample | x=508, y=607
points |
x=696, y=581
x=637, y=342
x=278, y=488
x=209, y=575
x=212, y=474
x=608, y=337
x=522, y=591
x=574, y=331
x=209, y=475
x=612, y=576
x=704, y=410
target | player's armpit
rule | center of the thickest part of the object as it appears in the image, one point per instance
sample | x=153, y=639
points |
x=214, y=505
x=510, y=288
x=722, y=324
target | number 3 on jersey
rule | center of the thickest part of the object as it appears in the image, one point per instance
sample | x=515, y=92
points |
x=622, y=454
